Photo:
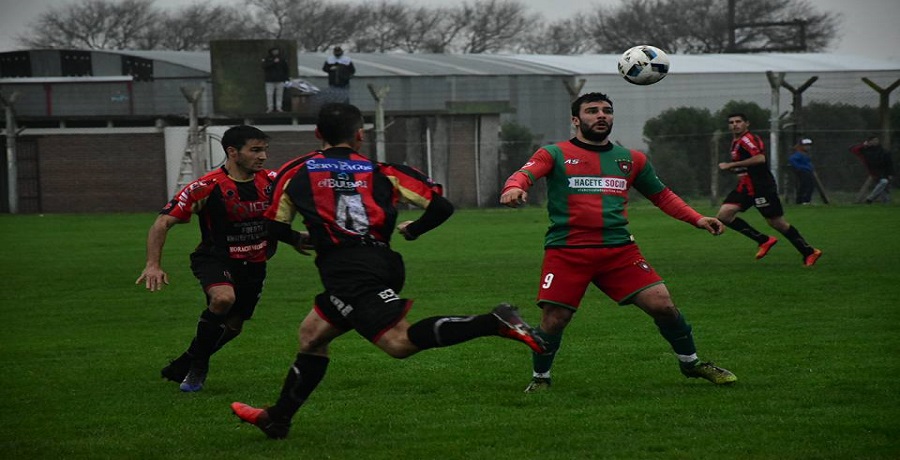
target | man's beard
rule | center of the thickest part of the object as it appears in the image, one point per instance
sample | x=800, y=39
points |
x=589, y=134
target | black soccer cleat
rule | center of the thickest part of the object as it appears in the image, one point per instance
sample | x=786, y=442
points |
x=177, y=369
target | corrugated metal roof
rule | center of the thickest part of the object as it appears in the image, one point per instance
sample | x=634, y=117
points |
x=599, y=64
x=410, y=65
x=198, y=60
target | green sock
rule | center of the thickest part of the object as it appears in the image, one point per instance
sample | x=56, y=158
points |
x=543, y=362
x=678, y=333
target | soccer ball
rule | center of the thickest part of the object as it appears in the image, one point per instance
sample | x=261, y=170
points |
x=644, y=65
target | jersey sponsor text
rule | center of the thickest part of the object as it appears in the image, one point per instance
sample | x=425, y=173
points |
x=588, y=184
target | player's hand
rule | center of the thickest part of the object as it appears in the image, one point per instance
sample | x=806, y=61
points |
x=514, y=197
x=153, y=279
x=724, y=166
x=401, y=228
x=304, y=244
x=711, y=225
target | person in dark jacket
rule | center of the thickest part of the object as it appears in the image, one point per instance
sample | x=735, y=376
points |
x=276, y=73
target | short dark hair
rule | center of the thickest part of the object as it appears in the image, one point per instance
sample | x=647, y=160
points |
x=588, y=97
x=737, y=114
x=338, y=122
x=237, y=136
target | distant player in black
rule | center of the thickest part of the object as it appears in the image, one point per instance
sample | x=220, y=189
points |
x=348, y=204
x=757, y=188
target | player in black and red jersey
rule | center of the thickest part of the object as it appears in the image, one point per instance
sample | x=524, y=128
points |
x=757, y=188
x=230, y=260
x=348, y=204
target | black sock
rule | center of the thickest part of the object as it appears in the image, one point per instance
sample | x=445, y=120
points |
x=210, y=329
x=443, y=331
x=794, y=237
x=741, y=226
x=228, y=334
x=304, y=376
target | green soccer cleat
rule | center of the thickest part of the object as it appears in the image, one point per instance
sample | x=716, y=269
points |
x=709, y=372
x=538, y=384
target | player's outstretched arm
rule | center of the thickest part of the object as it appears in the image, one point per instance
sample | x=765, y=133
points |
x=438, y=211
x=711, y=225
x=514, y=197
x=153, y=276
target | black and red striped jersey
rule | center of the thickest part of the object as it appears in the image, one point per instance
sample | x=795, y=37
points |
x=346, y=199
x=230, y=213
x=757, y=179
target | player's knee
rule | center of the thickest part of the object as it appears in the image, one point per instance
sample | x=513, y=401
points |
x=555, y=318
x=221, y=303
x=313, y=344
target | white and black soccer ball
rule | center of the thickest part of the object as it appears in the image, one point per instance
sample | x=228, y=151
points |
x=644, y=65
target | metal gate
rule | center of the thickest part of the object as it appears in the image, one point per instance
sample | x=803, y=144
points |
x=28, y=177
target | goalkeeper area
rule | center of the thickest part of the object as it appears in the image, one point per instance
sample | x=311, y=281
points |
x=815, y=349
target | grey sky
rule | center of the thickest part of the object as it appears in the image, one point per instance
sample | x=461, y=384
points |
x=870, y=27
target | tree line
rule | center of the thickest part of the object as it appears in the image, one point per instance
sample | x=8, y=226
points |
x=476, y=26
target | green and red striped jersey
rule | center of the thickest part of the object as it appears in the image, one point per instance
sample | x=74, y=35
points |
x=587, y=188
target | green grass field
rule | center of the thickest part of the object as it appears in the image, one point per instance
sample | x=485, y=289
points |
x=815, y=349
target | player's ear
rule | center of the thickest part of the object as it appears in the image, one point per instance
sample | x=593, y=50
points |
x=230, y=150
x=318, y=134
x=360, y=135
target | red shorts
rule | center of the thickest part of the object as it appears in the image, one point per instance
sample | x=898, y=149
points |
x=620, y=272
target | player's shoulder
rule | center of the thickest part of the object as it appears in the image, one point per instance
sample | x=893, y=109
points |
x=207, y=182
x=393, y=169
x=751, y=139
x=634, y=153
x=292, y=166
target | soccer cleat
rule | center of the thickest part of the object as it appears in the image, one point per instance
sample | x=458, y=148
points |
x=811, y=259
x=177, y=369
x=764, y=248
x=194, y=379
x=709, y=372
x=538, y=384
x=260, y=418
x=514, y=327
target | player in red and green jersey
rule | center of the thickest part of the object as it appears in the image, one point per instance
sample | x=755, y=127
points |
x=588, y=242
x=757, y=188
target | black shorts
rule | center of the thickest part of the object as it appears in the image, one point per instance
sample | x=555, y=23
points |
x=246, y=278
x=769, y=205
x=362, y=290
